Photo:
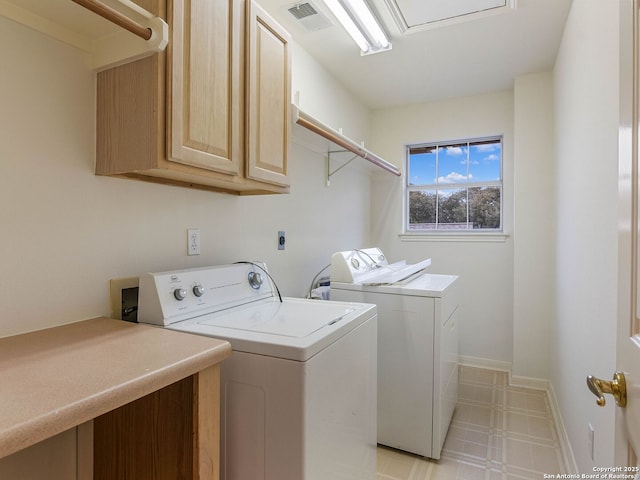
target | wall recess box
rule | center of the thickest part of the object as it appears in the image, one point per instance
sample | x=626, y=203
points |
x=124, y=298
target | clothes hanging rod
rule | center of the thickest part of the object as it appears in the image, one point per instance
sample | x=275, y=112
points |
x=305, y=120
x=116, y=17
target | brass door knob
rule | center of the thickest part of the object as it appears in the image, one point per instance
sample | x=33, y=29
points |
x=617, y=387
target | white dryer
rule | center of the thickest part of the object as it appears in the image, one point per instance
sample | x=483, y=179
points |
x=417, y=344
x=298, y=395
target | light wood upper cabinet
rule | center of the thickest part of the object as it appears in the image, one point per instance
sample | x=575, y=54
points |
x=206, y=84
x=269, y=97
x=212, y=112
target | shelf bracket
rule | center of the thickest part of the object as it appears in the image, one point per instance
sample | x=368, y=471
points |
x=331, y=173
x=336, y=137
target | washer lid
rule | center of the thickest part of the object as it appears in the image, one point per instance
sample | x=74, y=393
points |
x=296, y=329
x=289, y=319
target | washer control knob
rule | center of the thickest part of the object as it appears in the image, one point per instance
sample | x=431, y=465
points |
x=255, y=280
x=180, y=294
x=355, y=263
x=198, y=290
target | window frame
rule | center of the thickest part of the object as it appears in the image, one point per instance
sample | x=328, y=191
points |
x=488, y=233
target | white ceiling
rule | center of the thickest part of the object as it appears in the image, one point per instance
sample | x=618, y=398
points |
x=455, y=59
x=460, y=58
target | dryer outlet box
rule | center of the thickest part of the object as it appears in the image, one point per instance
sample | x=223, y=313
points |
x=124, y=298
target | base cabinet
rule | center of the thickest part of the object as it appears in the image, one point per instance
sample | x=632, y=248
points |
x=53, y=459
x=212, y=112
x=171, y=434
x=103, y=398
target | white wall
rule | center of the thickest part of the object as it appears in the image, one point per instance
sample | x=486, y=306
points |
x=318, y=93
x=534, y=225
x=586, y=112
x=485, y=268
x=66, y=232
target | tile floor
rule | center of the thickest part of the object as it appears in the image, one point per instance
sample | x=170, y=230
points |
x=498, y=432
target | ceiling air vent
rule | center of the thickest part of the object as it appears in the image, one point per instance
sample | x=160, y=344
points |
x=309, y=17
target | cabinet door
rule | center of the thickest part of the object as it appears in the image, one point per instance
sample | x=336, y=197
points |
x=269, y=98
x=204, y=73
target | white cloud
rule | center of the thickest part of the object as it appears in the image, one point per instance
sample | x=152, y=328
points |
x=453, y=177
x=487, y=147
x=491, y=157
x=455, y=151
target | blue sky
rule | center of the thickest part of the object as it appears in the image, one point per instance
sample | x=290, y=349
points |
x=483, y=162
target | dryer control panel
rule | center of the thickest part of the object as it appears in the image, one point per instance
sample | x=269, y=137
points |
x=370, y=266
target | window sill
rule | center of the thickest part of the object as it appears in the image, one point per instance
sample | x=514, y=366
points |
x=471, y=237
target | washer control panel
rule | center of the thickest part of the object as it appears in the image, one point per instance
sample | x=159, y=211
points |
x=168, y=297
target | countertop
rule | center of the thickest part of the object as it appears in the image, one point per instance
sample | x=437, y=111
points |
x=55, y=379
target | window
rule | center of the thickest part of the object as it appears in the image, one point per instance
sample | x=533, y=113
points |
x=454, y=186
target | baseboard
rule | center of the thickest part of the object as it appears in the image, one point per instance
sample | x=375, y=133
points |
x=529, y=382
x=567, y=453
x=538, y=384
x=484, y=363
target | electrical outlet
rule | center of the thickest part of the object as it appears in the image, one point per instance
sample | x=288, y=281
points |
x=591, y=433
x=281, y=240
x=193, y=241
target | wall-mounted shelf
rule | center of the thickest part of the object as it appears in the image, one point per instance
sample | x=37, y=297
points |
x=107, y=44
x=337, y=143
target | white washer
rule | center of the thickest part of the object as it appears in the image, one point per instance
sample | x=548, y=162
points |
x=298, y=395
x=417, y=344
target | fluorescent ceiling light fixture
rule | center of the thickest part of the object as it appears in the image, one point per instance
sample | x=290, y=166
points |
x=358, y=20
